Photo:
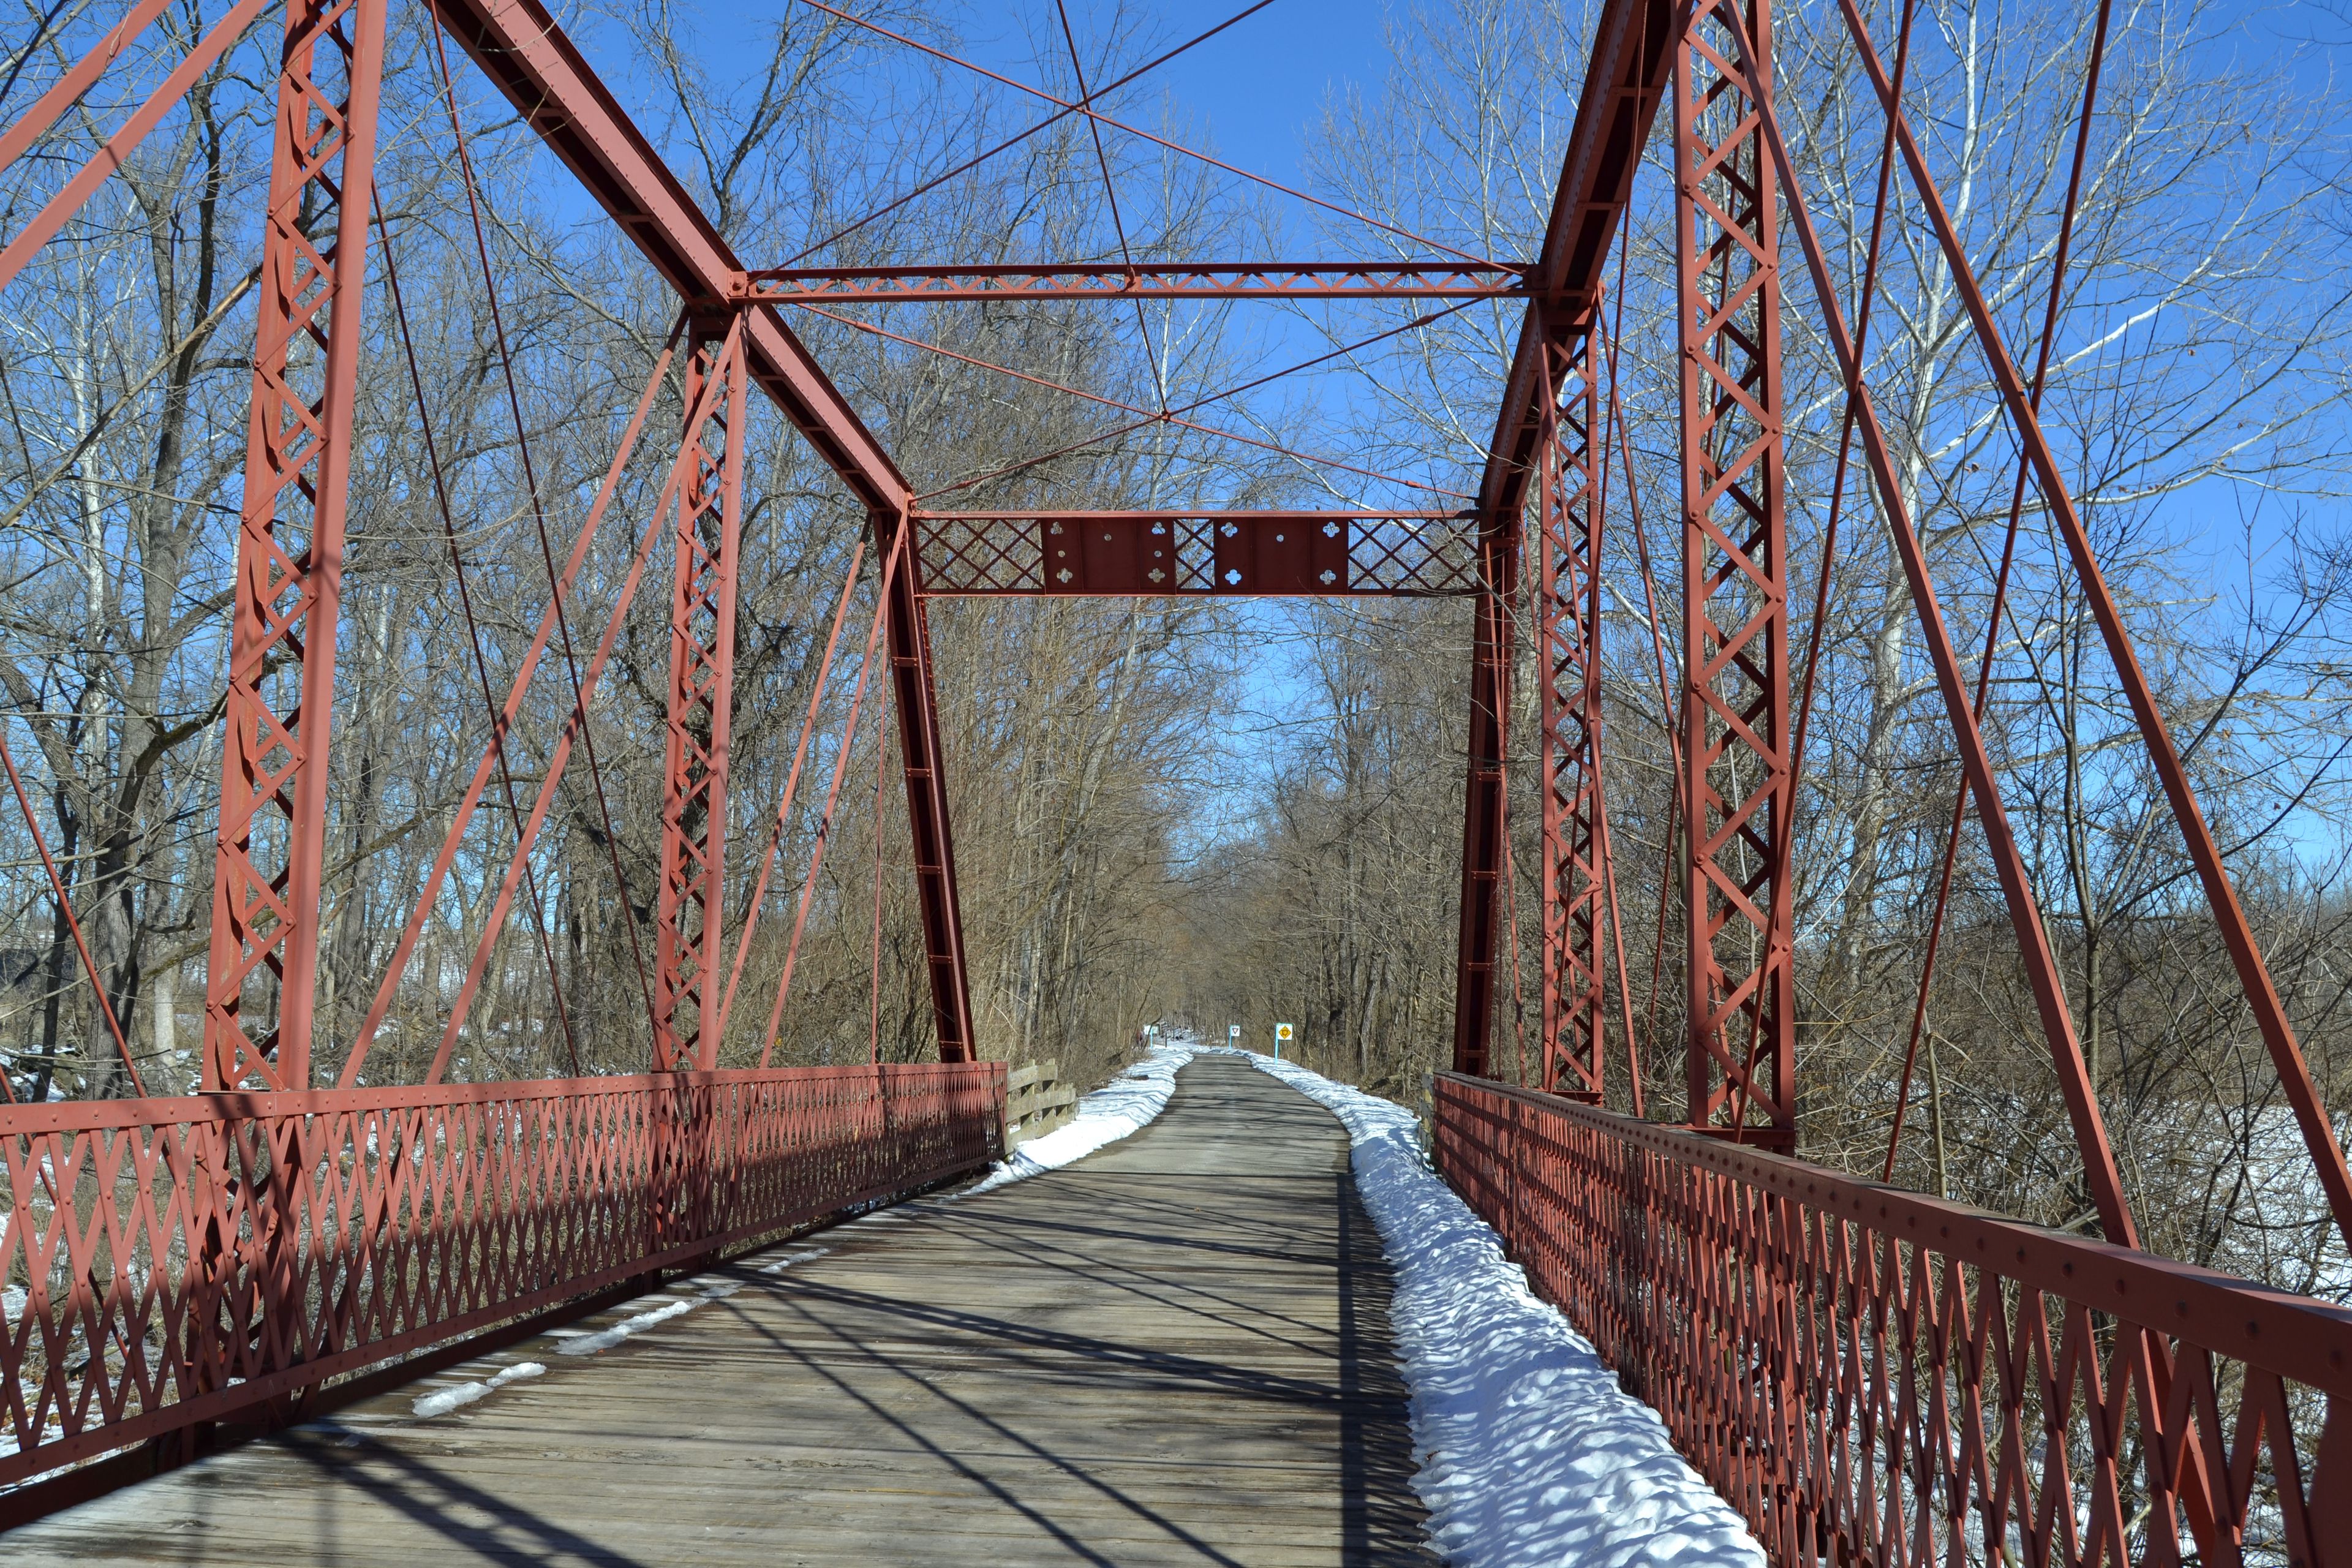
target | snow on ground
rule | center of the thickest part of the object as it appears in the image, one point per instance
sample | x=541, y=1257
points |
x=1128, y=1103
x=798, y=1254
x=1530, y=1452
x=444, y=1401
x=638, y=1323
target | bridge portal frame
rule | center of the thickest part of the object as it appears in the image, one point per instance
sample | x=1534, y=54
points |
x=1733, y=730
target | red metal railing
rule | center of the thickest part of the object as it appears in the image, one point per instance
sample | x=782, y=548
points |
x=1872, y=1376
x=168, y=1262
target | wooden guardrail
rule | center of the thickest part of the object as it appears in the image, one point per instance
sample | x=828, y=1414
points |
x=1036, y=1101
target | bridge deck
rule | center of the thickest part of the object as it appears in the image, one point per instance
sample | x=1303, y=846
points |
x=1175, y=1352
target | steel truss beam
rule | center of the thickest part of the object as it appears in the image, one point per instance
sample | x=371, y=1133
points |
x=1143, y=280
x=1235, y=554
x=915, y=689
x=518, y=46
x=1486, y=816
x=1567, y=644
x=1623, y=85
x=1740, y=1041
x=2103, y=1174
x=289, y=550
x=75, y=193
x=692, y=898
x=532, y=61
x=2311, y=1113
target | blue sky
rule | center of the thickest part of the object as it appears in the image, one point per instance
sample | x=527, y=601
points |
x=1257, y=85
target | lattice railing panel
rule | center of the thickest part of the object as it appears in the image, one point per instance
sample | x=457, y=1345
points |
x=171, y=1261
x=1873, y=1376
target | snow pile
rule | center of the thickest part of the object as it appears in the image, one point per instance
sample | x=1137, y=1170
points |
x=801, y=1256
x=1128, y=1103
x=1531, y=1454
x=449, y=1399
x=605, y=1339
x=589, y=1344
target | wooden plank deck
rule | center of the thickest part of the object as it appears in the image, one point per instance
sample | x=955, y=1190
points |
x=1173, y=1351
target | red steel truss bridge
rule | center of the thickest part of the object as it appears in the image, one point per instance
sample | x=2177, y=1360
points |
x=1867, y=1374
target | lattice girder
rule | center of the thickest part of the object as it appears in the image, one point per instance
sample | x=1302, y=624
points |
x=1739, y=1046
x=280, y=681
x=688, y=988
x=1568, y=625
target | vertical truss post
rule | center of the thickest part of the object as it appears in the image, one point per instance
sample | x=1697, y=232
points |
x=701, y=704
x=1568, y=616
x=916, y=695
x=1741, y=1046
x=289, y=550
x=1483, y=818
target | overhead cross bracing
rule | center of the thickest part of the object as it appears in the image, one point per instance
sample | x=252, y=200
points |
x=268, y=1202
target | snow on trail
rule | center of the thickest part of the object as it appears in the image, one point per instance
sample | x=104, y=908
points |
x=605, y=1339
x=449, y=1399
x=1120, y=1107
x=1530, y=1452
x=799, y=1255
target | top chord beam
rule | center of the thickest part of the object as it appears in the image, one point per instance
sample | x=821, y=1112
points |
x=1145, y=280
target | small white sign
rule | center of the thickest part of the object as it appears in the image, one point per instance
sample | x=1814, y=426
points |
x=1232, y=1031
x=1282, y=1031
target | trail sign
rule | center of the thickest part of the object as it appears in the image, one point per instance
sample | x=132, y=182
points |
x=1232, y=1031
